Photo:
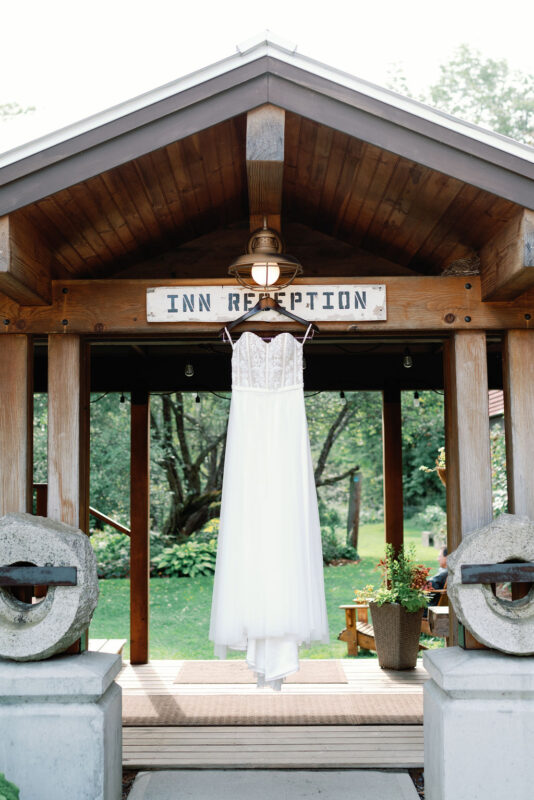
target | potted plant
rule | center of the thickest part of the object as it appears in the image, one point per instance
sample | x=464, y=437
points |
x=397, y=608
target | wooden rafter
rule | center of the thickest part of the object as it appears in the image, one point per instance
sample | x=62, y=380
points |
x=25, y=262
x=507, y=261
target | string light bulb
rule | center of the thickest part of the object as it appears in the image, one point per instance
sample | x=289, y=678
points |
x=407, y=360
x=189, y=370
x=416, y=400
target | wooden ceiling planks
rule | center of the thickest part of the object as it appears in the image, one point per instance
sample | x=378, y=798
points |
x=371, y=199
x=385, y=204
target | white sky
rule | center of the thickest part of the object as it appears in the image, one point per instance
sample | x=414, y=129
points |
x=71, y=60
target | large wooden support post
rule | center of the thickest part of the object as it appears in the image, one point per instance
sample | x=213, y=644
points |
x=518, y=377
x=392, y=453
x=140, y=526
x=16, y=423
x=467, y=439
x=68, y=436
x=68, y=430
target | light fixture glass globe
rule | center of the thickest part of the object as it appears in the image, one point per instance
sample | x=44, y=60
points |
x=265, y=274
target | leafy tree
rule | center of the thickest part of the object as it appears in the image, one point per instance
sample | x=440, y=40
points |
x=10, y=110
x=422, y=435
x=189, y=440
x=485, y=91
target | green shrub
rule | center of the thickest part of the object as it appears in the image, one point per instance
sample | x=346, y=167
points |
x=187, y=560
x=8, y=791
x=431, y=516
x=209, y=532
x=333, y=548
x=112, y=551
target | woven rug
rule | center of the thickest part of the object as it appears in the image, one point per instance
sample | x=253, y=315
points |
x=273, y=709
x=311, y=671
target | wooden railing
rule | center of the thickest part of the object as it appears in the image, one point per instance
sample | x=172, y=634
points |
x=41, y=490
x=109, y=521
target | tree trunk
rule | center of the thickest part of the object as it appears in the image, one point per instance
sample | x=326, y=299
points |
x=353, y=521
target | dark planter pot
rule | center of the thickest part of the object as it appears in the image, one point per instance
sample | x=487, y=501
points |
x=396, y=635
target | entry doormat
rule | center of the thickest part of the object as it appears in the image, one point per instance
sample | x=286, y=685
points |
x=273, y=709
x=233, y=671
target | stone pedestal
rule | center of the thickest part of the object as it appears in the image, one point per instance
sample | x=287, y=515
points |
x=479, y=725
x=60, y=723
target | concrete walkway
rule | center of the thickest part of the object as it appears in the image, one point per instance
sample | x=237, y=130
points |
x=272, y=785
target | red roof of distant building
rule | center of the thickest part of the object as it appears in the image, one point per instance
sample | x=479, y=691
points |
x=496, y=402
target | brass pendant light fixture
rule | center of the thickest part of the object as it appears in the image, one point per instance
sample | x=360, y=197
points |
x=265, y=266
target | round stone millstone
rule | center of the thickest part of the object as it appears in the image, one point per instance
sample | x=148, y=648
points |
x=501, y=624
x=35, y=632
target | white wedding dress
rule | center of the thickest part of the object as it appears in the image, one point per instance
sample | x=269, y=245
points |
x=268, y=594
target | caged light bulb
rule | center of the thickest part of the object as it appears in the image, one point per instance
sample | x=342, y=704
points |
x=265, y=274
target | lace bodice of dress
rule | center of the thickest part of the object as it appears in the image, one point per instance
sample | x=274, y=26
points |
x=257, y=364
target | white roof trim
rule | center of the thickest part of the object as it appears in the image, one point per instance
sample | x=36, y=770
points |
x=259, y=47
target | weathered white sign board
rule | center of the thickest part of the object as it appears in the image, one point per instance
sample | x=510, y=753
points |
x=345, y=302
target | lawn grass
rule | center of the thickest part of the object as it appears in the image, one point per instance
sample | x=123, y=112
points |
x=180, y=607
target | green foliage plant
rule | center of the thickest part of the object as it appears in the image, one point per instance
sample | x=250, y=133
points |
x=112, y=551
x=209, y=531
x=498, y=471
x=8, y=791
x=403, y=581
x=187, y=560
x=334, y=549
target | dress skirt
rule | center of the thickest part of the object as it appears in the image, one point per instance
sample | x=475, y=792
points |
x=268, y=595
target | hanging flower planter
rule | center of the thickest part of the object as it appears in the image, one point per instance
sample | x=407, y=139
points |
x=440, y=468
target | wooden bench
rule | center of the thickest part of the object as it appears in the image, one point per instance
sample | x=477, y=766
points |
x=114, y=646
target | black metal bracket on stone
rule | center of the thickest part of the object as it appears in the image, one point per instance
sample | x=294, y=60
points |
x=509, y=572
x=21, y=575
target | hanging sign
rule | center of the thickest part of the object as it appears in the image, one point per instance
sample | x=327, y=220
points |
x=344, y=302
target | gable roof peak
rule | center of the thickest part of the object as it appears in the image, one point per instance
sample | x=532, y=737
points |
x=266, y=40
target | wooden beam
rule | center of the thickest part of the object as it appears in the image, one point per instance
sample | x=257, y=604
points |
x=265, y=165
x=16, y=423
x=518, y=380
x=392, y=453
x=467, y=440
x=139, y=526
x=68, y=431
x=507, y=261
x=24, y=262
x=413, y=304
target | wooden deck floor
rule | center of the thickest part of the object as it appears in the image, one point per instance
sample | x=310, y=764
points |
x=279, y=746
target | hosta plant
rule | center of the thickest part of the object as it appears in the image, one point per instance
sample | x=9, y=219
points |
x=187, y=560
